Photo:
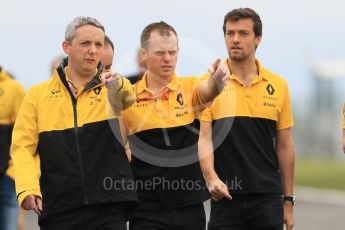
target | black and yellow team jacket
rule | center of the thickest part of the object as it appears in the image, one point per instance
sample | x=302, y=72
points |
x=11, y=96
x=81, y=158
x=162, y=131
x=245, y=123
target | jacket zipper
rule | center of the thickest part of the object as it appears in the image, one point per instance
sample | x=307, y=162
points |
x=82, y=174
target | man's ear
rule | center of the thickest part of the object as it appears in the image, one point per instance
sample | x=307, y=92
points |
x=66, y=47
x=143, y=54
x=257, y=41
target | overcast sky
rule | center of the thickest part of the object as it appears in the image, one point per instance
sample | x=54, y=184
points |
x=296, y=34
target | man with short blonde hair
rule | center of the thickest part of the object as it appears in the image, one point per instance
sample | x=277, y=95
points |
x=162, y=128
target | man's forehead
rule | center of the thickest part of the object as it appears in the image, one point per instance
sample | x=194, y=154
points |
x=156, y=34
x=91, y=35
x=90, y=38
x=163, y=41
x=163, y=46
x=243, y=22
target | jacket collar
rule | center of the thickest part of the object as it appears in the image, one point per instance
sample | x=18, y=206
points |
x=62, y=75
x=141, y=86
x=261, y=76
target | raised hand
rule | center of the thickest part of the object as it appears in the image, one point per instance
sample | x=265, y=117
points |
x=220, y=73
x=110, y=78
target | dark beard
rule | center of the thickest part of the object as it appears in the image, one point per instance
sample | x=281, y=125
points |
x=237, y=58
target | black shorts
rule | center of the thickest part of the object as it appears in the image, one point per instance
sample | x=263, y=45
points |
x=185, y=218
x=108, y=216
x=248, y=212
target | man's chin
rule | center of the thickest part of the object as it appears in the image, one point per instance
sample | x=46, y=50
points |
x=237, y=58
x=90, y=71
x=166, y=75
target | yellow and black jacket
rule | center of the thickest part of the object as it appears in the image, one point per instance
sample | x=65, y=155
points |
x=245, y=123
x=77, y=144
x=11, y=96
x=162, y=131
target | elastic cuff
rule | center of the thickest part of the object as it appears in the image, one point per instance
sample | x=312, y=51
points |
x=121, y=84
x=22, y=195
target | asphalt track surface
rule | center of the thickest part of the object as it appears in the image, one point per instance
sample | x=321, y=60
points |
x=314, y=210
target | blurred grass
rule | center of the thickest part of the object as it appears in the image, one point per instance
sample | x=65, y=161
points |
x=320, y=173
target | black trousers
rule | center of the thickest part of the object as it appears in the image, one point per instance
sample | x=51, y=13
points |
x=248, y=212
x=185, y=218
x=109, y=216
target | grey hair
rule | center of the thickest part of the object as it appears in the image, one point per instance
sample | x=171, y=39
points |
x=78, y=22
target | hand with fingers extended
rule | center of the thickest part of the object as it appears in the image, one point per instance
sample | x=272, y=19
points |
x=218, y=190
x=32, y=202
x=110, y=78
x=220, y=73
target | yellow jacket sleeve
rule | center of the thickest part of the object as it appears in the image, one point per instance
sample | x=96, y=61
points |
x=17, y=101
x=18, y=95
x=121, y=96
x=24, y=145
